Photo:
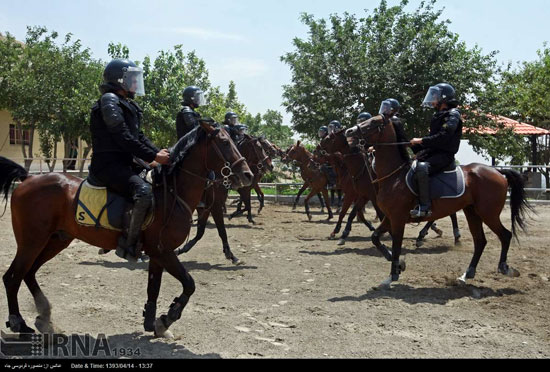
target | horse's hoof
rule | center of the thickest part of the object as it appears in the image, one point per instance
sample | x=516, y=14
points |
x=402, y=264
x=309, y=217
x=45, y=326
x=439, y=232
x=462, y=280
x=341, y=241
x=235, y=261
x=331, y=236
x=161, y=331
x=508, y=271
x=386, y=284
x=419, y=243
x=103, y=251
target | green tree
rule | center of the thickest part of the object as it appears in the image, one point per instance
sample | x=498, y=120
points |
x=350, y=64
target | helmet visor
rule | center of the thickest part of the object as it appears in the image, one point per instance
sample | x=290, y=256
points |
x=322, y=133
x=199, y=99
x=234, y=120
x=432, y=97
x=385, y=108
x=132, y=80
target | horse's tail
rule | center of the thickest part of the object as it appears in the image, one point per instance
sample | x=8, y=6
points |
x=518, y=199
x=10, y=172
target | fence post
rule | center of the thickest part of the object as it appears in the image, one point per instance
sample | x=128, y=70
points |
x=277, y=193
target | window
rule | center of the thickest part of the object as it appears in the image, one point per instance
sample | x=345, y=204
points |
x=19, y=136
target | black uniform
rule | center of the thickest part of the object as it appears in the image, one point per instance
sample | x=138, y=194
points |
x=440, y=147
x=116, y=138
x=400, y=137
x=186, y=121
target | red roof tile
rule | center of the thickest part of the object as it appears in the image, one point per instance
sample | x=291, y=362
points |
x=522, y=129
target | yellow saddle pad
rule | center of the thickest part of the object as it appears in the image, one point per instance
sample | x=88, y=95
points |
x=100, y=207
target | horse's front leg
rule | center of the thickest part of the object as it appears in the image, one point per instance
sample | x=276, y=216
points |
x=201, y=227
x=220, y=225
x=422, y=234
x=153, y=289
x=325, y=195
x=397, y=264
x=171, y=263
x=300, y=192
x=456, y=230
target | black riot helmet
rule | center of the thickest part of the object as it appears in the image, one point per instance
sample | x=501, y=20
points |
x=231, y=119
x=193, y=95
x=323, y=131
x=364, y=116
x=441, y=93
x=389, y=107
x=125, y=75
x=333, y=126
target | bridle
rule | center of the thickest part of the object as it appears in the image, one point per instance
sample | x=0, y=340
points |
x=262, y=161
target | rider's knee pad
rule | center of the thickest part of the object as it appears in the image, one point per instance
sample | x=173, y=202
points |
x=143, y=194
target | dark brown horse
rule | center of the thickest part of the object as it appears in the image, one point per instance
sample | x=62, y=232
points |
x=251, y=148
x=214, y=199
x=40, y=237
x=351, y=196
x=482, y=201
x=312, y=175
x=272, y=151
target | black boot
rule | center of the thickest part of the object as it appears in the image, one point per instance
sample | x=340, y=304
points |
x=129, y=246
x=423, y=182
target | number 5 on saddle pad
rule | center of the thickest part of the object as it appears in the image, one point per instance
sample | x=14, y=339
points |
x=97, y=206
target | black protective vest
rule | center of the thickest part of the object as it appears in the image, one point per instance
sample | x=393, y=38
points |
x=445, y=132
x=186, y=121
x=115, y=125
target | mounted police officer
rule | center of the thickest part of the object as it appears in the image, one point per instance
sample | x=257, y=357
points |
x=231, y=122
x=332, y=177
x=323, y=132
x=333, y=126
x=117, y=139
x=188, y=118
x=436, y=151
x=389, y=108
x=364, y=116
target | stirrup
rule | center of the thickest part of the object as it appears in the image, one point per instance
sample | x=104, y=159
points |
x=419, y=212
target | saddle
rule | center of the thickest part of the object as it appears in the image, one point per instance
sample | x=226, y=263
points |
x=448, y=184
x=98, y=206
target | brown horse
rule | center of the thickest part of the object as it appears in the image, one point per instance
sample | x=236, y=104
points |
x=40, y=237
x=482, y=201
x=351, y=196
x=214, y=199
x=311, y=174
x=272, y=151
x=362, y=164
x=251, y=148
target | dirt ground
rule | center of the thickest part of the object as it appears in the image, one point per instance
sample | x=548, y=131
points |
x=299, y=295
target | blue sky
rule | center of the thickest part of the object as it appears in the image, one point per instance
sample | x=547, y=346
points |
x=242, y=40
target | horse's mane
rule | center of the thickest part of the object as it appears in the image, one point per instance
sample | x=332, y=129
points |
x=179, y=151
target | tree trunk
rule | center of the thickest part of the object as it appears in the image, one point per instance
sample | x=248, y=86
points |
x=27, y=155
x=51, y=163
x=85, y=154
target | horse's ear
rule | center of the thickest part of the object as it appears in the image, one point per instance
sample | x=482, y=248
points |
x=298, y=143
x=210, y=129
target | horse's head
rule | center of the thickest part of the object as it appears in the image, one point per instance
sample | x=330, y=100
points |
x=253, y=151
x=269, y=148
x=295, y=152
x=369, y=132
x=334, y=142
x=224, y=158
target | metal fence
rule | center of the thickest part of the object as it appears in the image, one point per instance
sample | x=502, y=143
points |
x=286, y=192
